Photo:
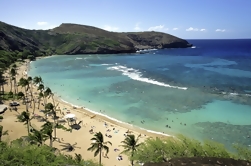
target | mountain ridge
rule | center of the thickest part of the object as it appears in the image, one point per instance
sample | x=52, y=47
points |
x=70, y=38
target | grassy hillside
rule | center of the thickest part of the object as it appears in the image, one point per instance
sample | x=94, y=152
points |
x=82, y=39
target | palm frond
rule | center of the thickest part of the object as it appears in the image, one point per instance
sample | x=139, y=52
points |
x=106, y=148
x=125, y=151
x=92, y=148
x=96, y=152
x=108, y=142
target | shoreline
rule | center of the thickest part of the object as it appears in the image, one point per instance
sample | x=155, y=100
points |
x=89, y=112
x=112, y=120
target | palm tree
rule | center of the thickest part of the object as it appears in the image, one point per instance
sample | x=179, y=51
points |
x=2, y=82
x=98, y=145
x=37, y=137
x=130, y=144
x=25, y=117
x=29, y=79
x=13, y=74
x=10, y=79
x=14, y=66
x=21, y=95
x=2, y=132
x=47, y=129
x=24, y=84
x=37, y=80
x=48, y=93
x=40, y=95
x=49, y=107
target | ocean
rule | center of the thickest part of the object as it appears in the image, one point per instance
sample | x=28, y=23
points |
x=203, y=92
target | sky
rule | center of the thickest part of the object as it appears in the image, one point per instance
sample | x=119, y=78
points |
x=187, y=19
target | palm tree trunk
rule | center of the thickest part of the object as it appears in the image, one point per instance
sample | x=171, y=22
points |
x=55, y=128
x=131, y=158
x=32, y=98
x=10, y=85
x=28, y=127
x=26, y=102
x=50, y=141
x=100, y=156
x=38, y=103
x=15, y=87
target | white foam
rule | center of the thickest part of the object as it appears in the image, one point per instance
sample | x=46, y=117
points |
x=136, y=75
x=146, y=50
x=96, y=113
x=234, y=94
x=78, y=58
x=193, y=47
x=106, y=64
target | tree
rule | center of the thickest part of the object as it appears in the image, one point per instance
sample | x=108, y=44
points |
x=25, y=117
x=98, y=145
x=48, y=93
x=29, y=79
x=25, y=84
x=37, y=80
x=31, y=57
x=13, y=75
x=49, y=107
x=2, y=82
x=40, y=96
x=21, y=95
x=47, y=129
x=130, y=144
x=2, y=132
x=37, y=136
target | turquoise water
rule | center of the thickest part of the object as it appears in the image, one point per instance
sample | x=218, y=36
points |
x=201, y=97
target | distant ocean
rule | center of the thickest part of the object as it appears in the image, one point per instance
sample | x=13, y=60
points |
x=203, y=92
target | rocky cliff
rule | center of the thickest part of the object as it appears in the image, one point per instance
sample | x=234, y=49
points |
x=82, y=39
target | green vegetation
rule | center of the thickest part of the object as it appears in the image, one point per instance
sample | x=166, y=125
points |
x=130, y=145
x=161, y=150
x=17, y=153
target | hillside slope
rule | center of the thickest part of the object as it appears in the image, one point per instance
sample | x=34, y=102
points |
x=82, y=39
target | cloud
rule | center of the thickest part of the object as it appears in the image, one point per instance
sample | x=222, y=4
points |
x=137, y=28
x=157, y=28
x=42, y=23
x=192, y=29
x=175, y=29
x=220, y=30
x=110, y=28
x=195, y=29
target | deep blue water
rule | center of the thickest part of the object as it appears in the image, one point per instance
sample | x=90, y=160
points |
x=203, y=92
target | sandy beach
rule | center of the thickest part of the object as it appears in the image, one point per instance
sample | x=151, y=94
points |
x=79, y=137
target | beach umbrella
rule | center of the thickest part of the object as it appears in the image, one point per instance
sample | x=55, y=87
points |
x=69, y=116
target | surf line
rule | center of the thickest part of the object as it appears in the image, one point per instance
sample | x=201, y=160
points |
x=135, y=75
